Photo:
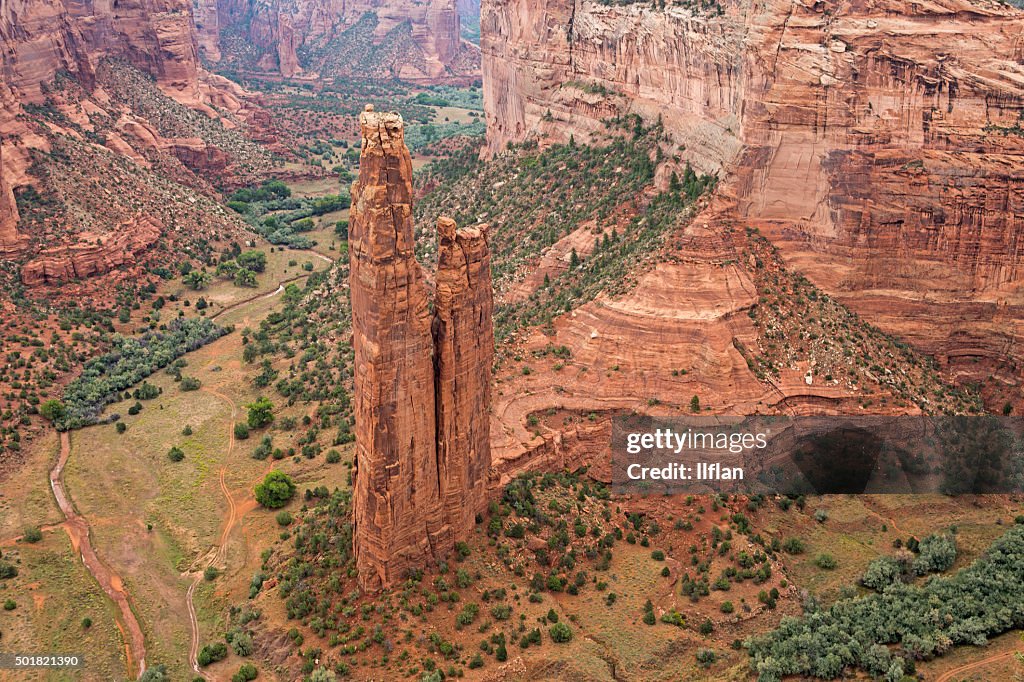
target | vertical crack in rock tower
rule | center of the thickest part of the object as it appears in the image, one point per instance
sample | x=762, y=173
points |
x=422, y=385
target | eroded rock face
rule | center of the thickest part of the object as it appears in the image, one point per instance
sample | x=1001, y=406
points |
x=464, y=355
x=10, y=241
x=46, y=41
x=91, y=255
x=422, y=449
x=398, y=521
x=877, y=143
x=295, y=38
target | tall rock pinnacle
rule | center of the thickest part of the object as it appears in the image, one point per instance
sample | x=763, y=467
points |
x=422, y=397
x=10, y=239
x=398, y=522
x=463, y=355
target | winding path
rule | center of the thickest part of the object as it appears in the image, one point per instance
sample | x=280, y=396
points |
x=218, y=556
x=955, y=673
x=77, y=529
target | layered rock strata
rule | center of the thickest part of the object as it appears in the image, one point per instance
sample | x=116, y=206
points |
x=296, y=38
x=51, y=53
x=422, y=452
x=879, y=144
x=91, y=255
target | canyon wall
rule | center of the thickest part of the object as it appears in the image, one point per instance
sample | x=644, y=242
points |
x=53, y=54
x=330, y=38
x=421, y=412
x=557, y=68
x=878, y=144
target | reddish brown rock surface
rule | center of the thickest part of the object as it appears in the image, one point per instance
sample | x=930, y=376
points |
x=92, y=255
x=10, y=241
x=877, y=143
x=398, y=521
x=393, y=38
x=463, y=356
x=56, y=61
x=420, y=471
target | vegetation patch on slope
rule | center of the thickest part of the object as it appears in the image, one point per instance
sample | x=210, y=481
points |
x=920, y=622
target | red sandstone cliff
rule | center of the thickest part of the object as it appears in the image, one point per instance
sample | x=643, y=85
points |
x=421, y=412
x=53, y=56
x=877, y=143
x=365, y=38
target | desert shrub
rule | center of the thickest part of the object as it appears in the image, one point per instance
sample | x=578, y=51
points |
x=673, y=618
x=246, y=673
x=211, y=653
x=881, y=573
x=275, y=490
x=936, y=553
x=825, y=561
x=241, y=643
x=793, y=546
x=264, y=449
x=157, y=673
x=706, y=657
x=560, y=633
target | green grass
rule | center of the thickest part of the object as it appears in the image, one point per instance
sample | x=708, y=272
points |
x=54, y=593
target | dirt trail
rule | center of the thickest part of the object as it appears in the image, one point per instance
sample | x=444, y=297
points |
x=77, y=529
x=270, y=294
x=887, y=519
x=219, y=557
x=955, y=673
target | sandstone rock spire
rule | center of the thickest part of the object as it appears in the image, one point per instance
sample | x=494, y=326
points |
x=463, y=356
x=397, y=514
x=422, y=386
x=9, y=237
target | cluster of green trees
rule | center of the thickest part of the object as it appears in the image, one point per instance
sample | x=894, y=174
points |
x=934, y=554
x=268, y=191
x=312, y=330
x=883, y=634
x=243, y=268
x=130, y=360
x=280, y=218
